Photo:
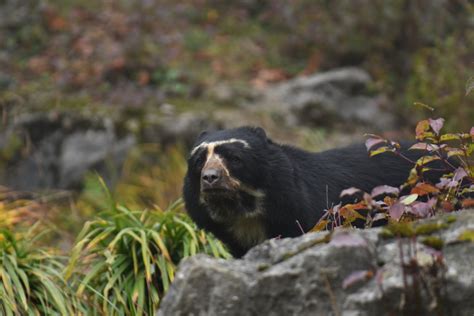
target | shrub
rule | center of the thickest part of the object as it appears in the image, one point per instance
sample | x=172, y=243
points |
x=124, y=261
x=31, y=279
x=417, y=197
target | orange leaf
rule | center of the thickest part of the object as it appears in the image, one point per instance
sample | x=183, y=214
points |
x=422, y=127
x=349, y=213
x=424, y=189
x=447, y=206
x=320, y=226
x=467, y=203
x=359, y=206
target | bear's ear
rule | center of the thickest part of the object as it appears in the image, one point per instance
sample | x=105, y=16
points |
x=202, y=134
x=260, y=132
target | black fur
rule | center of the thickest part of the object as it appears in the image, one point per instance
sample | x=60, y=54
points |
x=298, y=185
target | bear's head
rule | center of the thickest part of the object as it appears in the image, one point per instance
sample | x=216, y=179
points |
x=227, y=169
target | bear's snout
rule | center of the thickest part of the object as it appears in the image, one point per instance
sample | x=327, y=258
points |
x=211, y=176
x=216, y=179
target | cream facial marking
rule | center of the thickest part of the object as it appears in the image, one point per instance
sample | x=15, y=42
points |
x=220, y=142
x=214, y=160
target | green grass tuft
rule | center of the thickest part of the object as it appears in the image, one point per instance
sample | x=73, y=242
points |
x=31, y=281
x=124, y=261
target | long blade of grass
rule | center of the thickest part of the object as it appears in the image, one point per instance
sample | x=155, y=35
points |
x=99, y=266
x=99, y=237
x=7, y=285
x=54, y=292
x=125, y=231
x=164, y=273
x=146, y=255
x=130, y=215
x=188, y=227
x=19, y=289
x=117, y=274
x=161, y=245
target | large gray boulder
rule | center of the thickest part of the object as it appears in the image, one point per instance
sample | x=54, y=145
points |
x=55, y=150
x=341, y=96
x=351, y=272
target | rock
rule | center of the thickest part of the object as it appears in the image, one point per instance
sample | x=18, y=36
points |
x=351, y=272
x=180, y=128
x=55, y=150
x=338, y=96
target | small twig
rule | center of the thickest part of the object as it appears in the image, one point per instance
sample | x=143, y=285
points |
x=404, y=157
x=300, y=227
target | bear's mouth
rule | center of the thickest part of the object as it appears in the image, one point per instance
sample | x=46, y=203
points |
x=218, y=191
x=224, y=205
x=219, y=195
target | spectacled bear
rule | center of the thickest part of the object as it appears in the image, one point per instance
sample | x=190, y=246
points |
x=245, y=188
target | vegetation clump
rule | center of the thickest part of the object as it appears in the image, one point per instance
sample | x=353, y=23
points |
x=448, y=155
x=31, y=280
x=124, y=261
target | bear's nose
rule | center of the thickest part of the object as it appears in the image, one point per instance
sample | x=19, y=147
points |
x=211, y=176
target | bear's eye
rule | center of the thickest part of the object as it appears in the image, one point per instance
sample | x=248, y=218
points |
x=197, y=160
x=235, y=159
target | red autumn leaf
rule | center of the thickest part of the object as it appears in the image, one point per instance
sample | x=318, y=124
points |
x=371, y=142
x=384, y=189
x=356, y=277
x=396, y=211
x=447, y=206
x=359, y=206
x=349, y=192
x=436, y=125
x=420, y=209
x=349, y=213
x=421, y=128
x=424, y=189
x=467, y=203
